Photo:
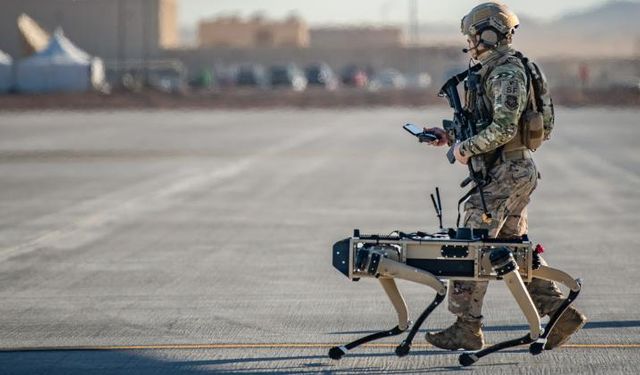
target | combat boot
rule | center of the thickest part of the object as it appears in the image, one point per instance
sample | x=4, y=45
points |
x=463, y=334
x=568, y=324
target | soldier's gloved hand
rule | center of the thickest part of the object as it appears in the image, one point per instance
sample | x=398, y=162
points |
x=443, y=138
x=459, y=157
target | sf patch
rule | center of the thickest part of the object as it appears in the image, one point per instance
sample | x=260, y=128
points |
x=510, y=87
x=510, y=91
x=511, y=102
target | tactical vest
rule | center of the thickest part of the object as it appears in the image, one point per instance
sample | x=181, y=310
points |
x=537, y=119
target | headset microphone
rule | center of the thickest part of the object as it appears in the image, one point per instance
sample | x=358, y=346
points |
x=483, y=42
x=467, y=50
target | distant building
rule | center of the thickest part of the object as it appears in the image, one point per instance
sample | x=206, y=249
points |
x=348, y=37
x=112, y=29
x=256, y=32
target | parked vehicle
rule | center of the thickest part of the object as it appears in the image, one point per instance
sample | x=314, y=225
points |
x=354, y=76
x=388, y=79
x=321, y=75
x=288, y=76
x=251, y=76
x=225, y=75
x=166, y=80
x=418, y=81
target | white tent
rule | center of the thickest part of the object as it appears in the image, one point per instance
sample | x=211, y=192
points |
x=60, y=67
x=6, y=72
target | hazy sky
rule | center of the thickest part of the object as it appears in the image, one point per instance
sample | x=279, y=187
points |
x=368, y=11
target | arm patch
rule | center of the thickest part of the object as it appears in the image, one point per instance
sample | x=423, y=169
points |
x=510, y=87
x=511, y=102
x=508, y=94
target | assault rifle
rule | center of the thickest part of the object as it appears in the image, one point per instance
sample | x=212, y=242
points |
x=463, y=127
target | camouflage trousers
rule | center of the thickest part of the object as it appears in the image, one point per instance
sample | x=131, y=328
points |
x=506, y=196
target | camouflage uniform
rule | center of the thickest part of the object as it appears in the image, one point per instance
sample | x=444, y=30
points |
x=511, y=181
x=502, y=99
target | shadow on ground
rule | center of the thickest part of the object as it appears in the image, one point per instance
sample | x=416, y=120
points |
x=520, y=327
x=144, y=362
x=71, y=362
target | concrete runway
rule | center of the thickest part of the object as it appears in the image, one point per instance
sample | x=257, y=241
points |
x=195, y=242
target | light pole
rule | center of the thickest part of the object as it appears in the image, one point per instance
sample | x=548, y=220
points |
x=414, y=38
x=120, y=35
x=414, y=22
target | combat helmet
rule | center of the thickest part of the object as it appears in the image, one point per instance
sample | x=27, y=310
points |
x=494, y=22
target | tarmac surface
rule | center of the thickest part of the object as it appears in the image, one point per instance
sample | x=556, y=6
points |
x=174, y=242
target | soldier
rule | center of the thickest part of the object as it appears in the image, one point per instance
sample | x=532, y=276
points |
x=489, y=29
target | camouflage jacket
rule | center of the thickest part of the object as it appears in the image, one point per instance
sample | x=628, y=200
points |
x=506, y=98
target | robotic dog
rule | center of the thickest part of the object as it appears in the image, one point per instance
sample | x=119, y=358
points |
x=453, y=254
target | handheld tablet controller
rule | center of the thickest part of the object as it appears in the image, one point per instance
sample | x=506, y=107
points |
x=423, y=136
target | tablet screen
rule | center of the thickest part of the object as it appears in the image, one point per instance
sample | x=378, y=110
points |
x=413, y=129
